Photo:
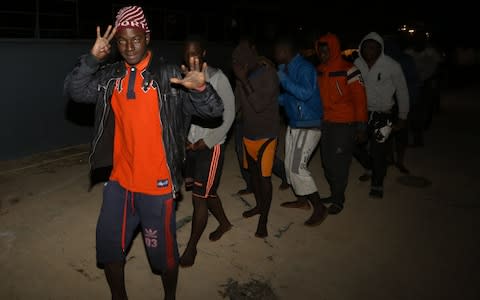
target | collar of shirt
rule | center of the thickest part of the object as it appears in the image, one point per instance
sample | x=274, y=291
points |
x=143, y=64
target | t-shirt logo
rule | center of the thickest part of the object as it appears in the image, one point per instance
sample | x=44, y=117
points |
x=162, y=183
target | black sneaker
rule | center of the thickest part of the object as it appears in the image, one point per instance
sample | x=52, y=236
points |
x=335, y=209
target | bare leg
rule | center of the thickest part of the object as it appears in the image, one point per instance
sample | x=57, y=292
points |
x=169, y=280
x=266, y=189
x=253, y=168
x=216, y=208
x=199, y=222
x=114, y=272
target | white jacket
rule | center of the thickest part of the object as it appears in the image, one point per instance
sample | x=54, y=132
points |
x=384, y=81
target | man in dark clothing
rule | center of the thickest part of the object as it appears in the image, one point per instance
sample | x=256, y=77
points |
x=400, y=135
x=427, y=62
x=278, y=164
x=143, y=108
x=256, y=93
x=205, y=156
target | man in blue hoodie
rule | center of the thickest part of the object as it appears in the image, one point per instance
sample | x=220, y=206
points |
x=301, y=100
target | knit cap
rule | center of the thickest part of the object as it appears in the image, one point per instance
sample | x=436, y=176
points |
x=131, y=17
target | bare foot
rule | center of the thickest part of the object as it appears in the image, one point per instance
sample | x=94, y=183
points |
x=261, y=231
x=251, y=212
x=188, y=257
x=217, y=234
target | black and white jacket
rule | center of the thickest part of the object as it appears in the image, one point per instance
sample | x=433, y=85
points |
x=93, y=82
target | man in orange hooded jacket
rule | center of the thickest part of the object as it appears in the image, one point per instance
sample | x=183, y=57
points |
x=345, y=115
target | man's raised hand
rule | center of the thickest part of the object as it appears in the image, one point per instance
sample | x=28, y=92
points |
x=101, y=48
x=194, y=76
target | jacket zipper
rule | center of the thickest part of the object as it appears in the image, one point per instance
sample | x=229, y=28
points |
x=338, y=88
x=101, y=129
x=102, y=121
x=163, y=97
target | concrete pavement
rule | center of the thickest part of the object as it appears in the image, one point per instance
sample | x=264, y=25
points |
x=415, y=243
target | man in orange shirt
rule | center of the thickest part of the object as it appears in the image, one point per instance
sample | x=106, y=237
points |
x=143, y=110
x=345, y=116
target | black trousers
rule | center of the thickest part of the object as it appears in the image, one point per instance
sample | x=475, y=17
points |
x=337, y=145
x=373, y=155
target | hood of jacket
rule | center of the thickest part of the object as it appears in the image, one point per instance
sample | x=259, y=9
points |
x=333, y=44
x=372, y=36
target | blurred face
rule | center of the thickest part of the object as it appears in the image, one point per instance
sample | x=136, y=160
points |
x=371, y=51
x=132, y=44
x=193, y=50
x=244, y=55
x=281, y=54
x=323, y=53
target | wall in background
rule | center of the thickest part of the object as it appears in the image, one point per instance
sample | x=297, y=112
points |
x=35, y=115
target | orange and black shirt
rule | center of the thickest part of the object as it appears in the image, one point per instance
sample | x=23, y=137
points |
x=139, y=159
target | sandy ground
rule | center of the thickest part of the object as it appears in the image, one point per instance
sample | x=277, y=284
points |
x=416, y=243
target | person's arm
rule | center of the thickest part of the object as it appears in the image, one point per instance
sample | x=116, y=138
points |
x=204, y=100
x=224, y=90
x=259, y=89
x=411, y=76
x=266, y=87
x=281, y=99
x=206, y=104
x=358, y=95
x=401, y=92
x=81, y=84
x=358, y=98
x=302, y=88
x=238, y=105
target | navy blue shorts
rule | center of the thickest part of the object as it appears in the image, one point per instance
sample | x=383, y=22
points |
x=122, y=213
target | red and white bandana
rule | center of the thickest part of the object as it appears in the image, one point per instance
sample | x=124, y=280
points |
x=131, y=17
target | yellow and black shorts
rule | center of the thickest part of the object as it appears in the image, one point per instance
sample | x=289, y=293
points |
x=262, y=151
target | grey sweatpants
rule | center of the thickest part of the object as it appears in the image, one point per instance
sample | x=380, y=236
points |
x=299, y=146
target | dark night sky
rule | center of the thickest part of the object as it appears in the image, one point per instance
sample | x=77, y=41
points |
x=342, y=17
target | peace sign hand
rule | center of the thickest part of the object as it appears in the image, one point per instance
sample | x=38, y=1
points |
x=101, y=48
x=194, y=76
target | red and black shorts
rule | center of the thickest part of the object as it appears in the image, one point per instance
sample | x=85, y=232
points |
x=203, y=169
x=122, y=212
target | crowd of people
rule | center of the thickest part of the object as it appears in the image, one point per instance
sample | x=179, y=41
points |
x=161, y=126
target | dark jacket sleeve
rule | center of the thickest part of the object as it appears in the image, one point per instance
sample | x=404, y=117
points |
x=205, y=104
x=265, y=88
x=81, y=84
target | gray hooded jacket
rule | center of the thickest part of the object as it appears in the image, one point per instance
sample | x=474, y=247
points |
x=384, y=81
